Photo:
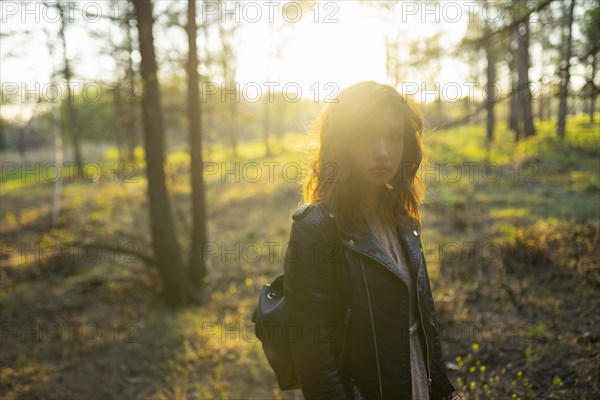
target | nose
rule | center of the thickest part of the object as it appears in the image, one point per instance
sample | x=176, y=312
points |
x=380, y=149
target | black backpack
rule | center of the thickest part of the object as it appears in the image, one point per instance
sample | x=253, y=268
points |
x=270, y=319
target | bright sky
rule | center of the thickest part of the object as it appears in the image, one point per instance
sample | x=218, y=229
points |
x=340, y=42
x=343, y=52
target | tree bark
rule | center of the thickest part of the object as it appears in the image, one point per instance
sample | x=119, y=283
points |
x=565, y=73
x=593, y=91
x=267, y=125
x=525, y=97
x=490, y=91
x=58, y=160
x=72, y=117
x=228, y=67
x=513, y=111
x=198, y=269
x=177, y=286
x=132, y=106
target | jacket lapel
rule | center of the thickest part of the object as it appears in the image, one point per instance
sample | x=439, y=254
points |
x=412, y=248
x=366, y=244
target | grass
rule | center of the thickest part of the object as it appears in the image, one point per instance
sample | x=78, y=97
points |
x=513, y=263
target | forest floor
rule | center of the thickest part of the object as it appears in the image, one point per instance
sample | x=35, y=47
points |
x=512, y=246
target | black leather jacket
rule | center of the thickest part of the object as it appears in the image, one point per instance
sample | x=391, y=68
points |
x=353, y=344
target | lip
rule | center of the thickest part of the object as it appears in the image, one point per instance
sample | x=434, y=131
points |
x=380, y=171
x=380, y=168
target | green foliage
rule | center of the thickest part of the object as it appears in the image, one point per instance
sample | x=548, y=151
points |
x=211, y=352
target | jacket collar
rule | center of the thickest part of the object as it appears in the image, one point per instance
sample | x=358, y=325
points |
x=408, y=237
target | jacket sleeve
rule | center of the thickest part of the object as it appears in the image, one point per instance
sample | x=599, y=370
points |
x=309, y=290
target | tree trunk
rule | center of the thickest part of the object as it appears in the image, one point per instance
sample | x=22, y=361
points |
x=118, y=131
x=512, y=120
x=132, y=106
x=278, y=119
x=267, y=125
x=58, y=161
x=72, y=118
x=515, y=113
x=549, y=105
x=542, y=98
x=233, y=132
x=525, y=97
x=565, y=73
x=178, y=288
x=490, y=92
x=513, y=106
x=198, y=270
x=593, y=91
x=228, y=66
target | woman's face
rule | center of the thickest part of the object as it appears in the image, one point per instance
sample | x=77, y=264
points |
x=376, y=151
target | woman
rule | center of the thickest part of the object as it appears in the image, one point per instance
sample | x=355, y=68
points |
x=356, y=283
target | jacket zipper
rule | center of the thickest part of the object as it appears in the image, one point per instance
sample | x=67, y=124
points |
x=420, y=315
x=347, y=317
x=373, y=328
x=423, y=324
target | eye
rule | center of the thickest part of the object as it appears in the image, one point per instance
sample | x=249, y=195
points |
x=395, y=136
